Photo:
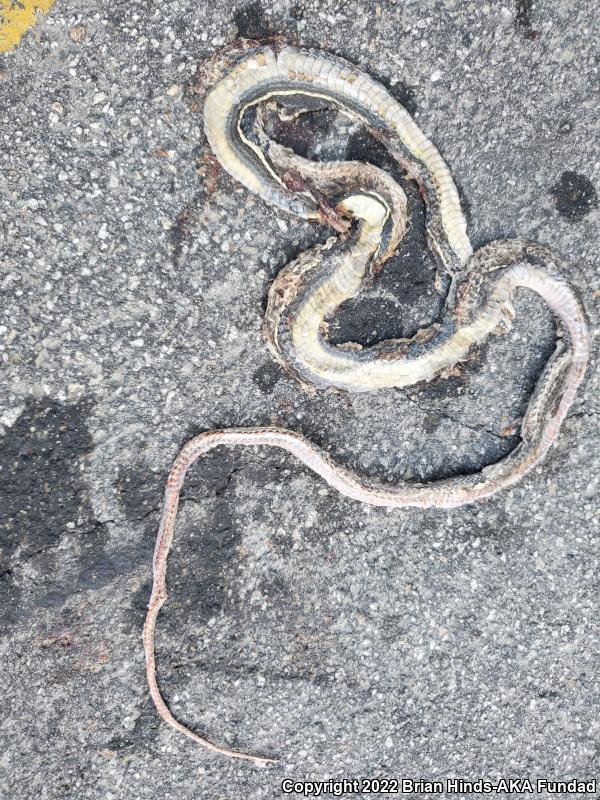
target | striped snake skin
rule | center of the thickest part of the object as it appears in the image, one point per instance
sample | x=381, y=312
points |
x=367, y=208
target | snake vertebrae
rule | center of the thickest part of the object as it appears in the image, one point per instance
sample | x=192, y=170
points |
x=368, y=210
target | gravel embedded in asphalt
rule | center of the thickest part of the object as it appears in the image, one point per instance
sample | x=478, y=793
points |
x=348, y=641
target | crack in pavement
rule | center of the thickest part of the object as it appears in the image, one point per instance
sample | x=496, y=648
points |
x=450, y=418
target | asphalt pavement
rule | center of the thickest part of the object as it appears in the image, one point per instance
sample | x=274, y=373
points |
x=347, y=641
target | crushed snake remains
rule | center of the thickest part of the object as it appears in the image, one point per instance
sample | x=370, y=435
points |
x=367, y=209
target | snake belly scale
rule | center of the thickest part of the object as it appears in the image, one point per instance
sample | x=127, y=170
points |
x=368, y=209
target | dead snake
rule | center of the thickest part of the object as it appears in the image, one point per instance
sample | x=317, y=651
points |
x=310, y=289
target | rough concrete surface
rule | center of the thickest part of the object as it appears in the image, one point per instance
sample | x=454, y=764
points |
x=346, y=640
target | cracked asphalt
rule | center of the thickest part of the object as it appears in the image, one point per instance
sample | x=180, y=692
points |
x=347, y=641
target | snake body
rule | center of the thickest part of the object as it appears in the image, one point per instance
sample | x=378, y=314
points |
x=310, y=289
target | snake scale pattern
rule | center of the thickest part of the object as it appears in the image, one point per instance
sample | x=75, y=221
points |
x=367, y=208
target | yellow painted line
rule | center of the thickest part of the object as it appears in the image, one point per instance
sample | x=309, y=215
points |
x=16, y=17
